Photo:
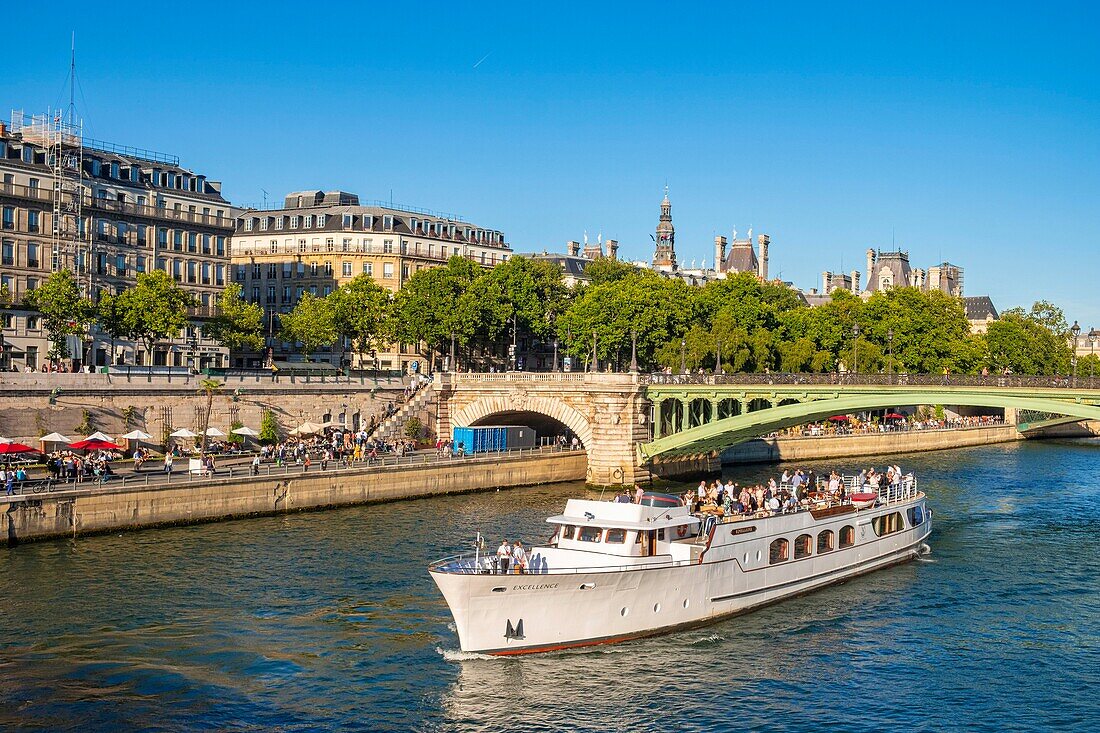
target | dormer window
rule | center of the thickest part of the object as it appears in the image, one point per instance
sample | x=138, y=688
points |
x=320, y=220
x=294, y=221
x=368, y=221
x=387, y=222
x=307, y=221
x=248, y=224
x=278, y=222
x=263, y=223
x=348, y=220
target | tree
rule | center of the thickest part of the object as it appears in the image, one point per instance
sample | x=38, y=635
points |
x=359, y=312
x=606, y=270
x=110, y=316
x=269, y=428
x=1025, y=346
x=64, y=311
x=653, y=308
x=208, y=387
x=1047, y=315
x=414, y=428
x=239, y=324
x=154, y=308
x=312, y=324
x=436, y=303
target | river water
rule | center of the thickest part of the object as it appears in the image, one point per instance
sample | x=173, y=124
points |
x=328, y=620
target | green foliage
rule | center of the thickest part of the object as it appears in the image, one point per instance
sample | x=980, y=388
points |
x=359, y=311
x=233, y=437
x=414, y=429
x=85, y=427
x=1023, y=344
x=530, y=290
x=657, y=309
x=269, y=428
x=436, y=302
x=154, y=308
x=239, y=324
x=64, y=311
x=129, y=413
x=312, y=324
x=1046, y=314
x=606, y=270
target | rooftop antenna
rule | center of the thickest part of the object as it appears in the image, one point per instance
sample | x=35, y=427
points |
x=893, y=243
x=265, y=196
x=72, y=79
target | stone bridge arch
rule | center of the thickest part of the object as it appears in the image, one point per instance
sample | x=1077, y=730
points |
x=487, y=407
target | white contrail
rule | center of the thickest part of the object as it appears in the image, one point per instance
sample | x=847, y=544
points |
x=482, y=59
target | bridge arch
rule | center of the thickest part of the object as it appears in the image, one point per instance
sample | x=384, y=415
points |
x=730, y=431
x=504, y=406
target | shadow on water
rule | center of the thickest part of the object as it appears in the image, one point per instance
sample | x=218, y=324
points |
x=329, y=621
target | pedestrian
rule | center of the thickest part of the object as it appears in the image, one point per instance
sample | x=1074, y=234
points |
x=504, y=557
x=519, y=558
x=256, y=465
x=168, y=463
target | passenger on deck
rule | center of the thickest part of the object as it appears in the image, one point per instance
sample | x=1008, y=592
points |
x=638, y=494
x=519, y=558
x=504, y=557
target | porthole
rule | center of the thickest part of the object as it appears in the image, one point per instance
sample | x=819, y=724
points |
x=587, y=586
x=758, y=555
x=499, y=589
x=746, y=562
x=686, y=603
x=624, y=611
x=656, y=608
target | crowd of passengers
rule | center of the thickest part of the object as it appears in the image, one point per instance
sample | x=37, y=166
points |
x=795, y=490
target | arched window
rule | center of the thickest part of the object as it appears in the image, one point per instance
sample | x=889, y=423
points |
x=803, y=546
x=825, y=541
x=779, y=551
x=847, y=536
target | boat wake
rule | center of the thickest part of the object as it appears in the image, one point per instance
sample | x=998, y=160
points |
x=710, y=639
x=457, y=655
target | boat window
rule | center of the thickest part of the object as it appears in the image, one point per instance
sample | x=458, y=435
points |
x=566, y=532
x=778, y=551
x=589, y=534
x=887, y=524
x=803, y=546
x=847, y=536
x=916, y=516
x=638, y=538
x=616, y=536
x=825, y=541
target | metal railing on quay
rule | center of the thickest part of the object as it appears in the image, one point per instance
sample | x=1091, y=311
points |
x=158, y=479
x=861, y=380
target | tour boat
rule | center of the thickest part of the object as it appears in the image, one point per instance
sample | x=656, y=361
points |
x=616, y=571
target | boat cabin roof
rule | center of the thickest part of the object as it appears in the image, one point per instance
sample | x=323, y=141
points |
x=622, y=516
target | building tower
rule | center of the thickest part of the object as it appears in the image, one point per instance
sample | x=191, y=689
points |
x=664, y=257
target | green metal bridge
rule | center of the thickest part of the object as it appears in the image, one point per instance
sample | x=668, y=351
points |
x=697, y=414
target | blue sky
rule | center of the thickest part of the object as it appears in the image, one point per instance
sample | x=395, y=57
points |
x=970, y=134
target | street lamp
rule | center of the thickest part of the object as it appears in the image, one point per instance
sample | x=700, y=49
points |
x=512, y=352
x=683, y=356
x=1092, y=353
x=451, y=367
x=595, y=358
x=1076, y=331
x=855, y=346
x=555, y=354
x=718, y=370
x=890, y=361
x=633, y=352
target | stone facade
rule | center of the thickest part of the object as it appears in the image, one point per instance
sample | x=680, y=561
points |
x=29, y=407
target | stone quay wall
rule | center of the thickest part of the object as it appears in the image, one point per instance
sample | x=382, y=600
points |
x=114, y=508
x=772, y=450
x=32, y=405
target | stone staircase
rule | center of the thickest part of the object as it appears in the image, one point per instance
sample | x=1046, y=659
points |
x=393, y=427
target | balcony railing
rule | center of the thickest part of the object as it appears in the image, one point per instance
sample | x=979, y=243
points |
x=121, y=207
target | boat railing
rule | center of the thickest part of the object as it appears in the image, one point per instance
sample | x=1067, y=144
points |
x=472, y=564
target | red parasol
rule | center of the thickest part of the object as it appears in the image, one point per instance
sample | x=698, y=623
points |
x=838, y=418
x=893, y=416
x=14, y=448
x=94, y=444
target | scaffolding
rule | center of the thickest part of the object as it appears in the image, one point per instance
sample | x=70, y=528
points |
x=63, y=143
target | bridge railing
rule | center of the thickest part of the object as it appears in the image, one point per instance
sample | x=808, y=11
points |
x=895, y=380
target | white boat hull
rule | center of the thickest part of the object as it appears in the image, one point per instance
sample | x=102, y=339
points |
x=558, y=609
